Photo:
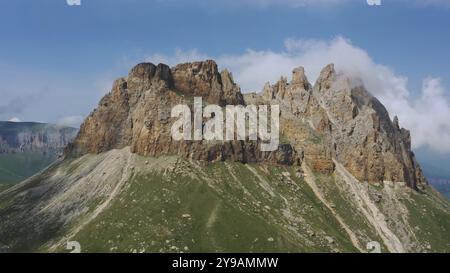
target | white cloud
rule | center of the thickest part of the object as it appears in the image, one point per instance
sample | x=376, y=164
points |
x=15, y=119
x=428, y=116
x=425, y=115
x=71, y=121
x=73, y=2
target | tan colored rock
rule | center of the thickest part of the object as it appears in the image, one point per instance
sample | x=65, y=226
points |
x=337, y=119
x=137, y=113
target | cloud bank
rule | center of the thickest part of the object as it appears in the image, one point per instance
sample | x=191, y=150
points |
x=426, y=115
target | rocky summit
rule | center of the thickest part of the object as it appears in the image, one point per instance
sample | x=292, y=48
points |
x=343, y=178
x=354, y=128
x=137, y=113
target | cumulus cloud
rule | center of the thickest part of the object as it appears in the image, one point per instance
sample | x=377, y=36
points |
x=71, y=121
x=425, y=115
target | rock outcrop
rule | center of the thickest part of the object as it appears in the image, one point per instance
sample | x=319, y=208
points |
x=335, y=119
x=348, y=124
x=137, y=113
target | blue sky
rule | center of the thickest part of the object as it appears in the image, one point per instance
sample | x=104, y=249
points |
x=56, y=60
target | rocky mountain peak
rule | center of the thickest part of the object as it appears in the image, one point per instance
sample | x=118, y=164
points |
x=396, y=123
x=137, y=113
x=204, y=79
x=299, y=78
x=334, y=121
x=143, y=75
x=326, y=77
x=354, y=128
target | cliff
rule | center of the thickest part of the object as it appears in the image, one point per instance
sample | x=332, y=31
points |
x=137, y=113
x=17, y=137
x=336, y=119
x=26, y=148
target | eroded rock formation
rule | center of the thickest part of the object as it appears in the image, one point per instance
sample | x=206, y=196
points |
x=339, y=119
x=335, y=119
x=137, y=113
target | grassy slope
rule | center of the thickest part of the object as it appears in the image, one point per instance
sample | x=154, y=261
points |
x=223, y=214
x=429, y=212
x=183, y=206
x=220, y=214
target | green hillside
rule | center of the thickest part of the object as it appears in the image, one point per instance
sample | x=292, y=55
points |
x=121, y=202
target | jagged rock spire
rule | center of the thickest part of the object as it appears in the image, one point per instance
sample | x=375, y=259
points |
x=299, y=78
x=346, y=123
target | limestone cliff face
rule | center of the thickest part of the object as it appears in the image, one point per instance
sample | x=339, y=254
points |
x=137, y=113
x=334, y=120
x=18, y=137
x=338, y=119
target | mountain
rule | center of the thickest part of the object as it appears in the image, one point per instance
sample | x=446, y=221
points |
x=342, y=177
x=28, y=147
